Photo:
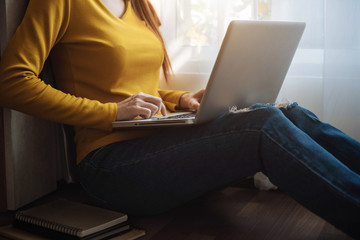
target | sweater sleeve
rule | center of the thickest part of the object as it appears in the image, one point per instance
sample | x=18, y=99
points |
x=43, y=26
x=171, y=98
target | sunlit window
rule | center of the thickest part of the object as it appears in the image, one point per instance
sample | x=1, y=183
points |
x=203, y=22
x=326, y=63
x=194, y=29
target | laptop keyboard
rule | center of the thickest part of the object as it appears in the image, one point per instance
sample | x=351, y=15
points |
x=179, y=116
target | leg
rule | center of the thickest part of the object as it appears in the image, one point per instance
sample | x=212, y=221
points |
x=170, y=168
x=333, y=140
x=157, y=173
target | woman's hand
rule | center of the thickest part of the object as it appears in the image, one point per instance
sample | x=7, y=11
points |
x=191, y=101
x=140, y=104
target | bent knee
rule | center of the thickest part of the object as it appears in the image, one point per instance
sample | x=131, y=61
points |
x=259, y=115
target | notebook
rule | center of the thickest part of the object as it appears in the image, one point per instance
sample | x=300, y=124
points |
x=64, y=219
x=250, y=68
x=10, y=232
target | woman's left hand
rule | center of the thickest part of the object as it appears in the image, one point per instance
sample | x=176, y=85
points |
x=191, y=101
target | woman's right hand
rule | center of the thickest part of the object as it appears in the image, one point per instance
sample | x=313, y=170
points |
x=140, y=104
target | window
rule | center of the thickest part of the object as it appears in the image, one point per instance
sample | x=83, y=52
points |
x=203, y=22
x=194, y=29
x=324, y=75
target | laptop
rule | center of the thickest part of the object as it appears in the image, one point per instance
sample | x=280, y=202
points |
x=250, y=68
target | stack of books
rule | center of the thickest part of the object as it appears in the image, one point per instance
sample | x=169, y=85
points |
x=67, y=220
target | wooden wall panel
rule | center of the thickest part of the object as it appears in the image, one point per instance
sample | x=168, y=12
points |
x=29, y=146
x=3, y=195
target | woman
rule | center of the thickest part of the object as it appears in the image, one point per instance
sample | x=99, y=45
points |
x=106, y=57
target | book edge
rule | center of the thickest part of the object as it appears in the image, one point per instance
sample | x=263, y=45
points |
x=24, y=216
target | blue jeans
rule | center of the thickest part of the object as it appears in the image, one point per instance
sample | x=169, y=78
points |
x=313, y=162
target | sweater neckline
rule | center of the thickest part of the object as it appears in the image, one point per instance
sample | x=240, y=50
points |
x=111, y=14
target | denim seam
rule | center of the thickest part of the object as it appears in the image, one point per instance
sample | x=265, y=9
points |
x=314, y=118
x=345, y=195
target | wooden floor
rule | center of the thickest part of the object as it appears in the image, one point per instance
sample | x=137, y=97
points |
x=236, y=212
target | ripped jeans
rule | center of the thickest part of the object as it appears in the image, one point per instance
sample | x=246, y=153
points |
x=313, y=162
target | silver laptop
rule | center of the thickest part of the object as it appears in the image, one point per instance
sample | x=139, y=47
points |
x=250, y=68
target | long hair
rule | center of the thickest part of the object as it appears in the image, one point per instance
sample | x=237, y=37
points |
x=146, y=12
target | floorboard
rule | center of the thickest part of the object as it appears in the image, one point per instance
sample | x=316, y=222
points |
x=234, y=213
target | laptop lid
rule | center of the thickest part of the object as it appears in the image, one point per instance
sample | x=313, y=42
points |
x=250, y=68
x=251, y=65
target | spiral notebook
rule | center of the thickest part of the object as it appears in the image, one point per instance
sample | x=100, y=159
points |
x=64, y=219
x=12, y=233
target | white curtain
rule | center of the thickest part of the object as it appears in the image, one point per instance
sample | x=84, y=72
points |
x=342, y=65
x=325, y=73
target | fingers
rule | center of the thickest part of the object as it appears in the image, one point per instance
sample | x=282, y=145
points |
x=163, y=109
x=191, y=101
x=140, y=104
x=198, y=97
x=145, y=109
x=193, y=104
x=146, y=105
x=199, y=94
x=153, y=101
x=148, y=98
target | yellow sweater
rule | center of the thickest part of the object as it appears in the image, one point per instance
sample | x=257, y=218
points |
x=97, y=59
